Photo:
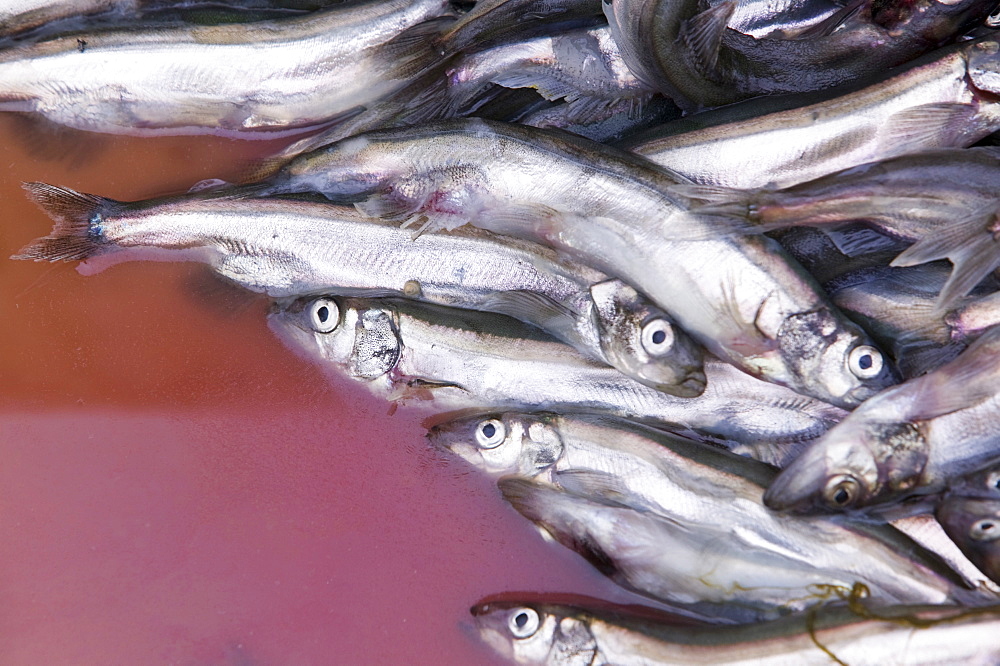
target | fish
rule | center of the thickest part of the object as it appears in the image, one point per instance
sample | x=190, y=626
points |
x=974, y=525
x=907, y=441
x=567, y=635
x=286, y=248
x=684, y=482
x=942, y=201
x=899, y=307
x=755, y=309
x=969, y=512
x=946, y=99
x=452, y=360
x=971, y=319
x=727, y=571
x=493, y=22
x=582, y=67
x=228, y=78
x=713, y=65
x=785, y=19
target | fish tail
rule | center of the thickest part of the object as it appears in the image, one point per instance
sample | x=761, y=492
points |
x=972, y=243
x=79, y=224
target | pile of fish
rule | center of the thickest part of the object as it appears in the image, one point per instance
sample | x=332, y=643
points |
x=715, y=351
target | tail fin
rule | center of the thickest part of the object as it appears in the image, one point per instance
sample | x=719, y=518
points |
x=971, y=243
x=78, y=232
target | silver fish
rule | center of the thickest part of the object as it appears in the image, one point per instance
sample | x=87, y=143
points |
x=287, y=248
x=229, y=77
x=582, y=67
x=974, y=525
x=698, y=488
x=944, y=100
x=727, y=571
x=493, y=22
x=908, y=440
x=898, y=306
x=969, y=512
x=971, y=319
x=944, y=200
x=784, y=19
x=561, y=635
x=755, y=308
x=713, y=65
x=469, y=360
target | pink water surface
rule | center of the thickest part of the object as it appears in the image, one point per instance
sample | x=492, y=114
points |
x=177, y=487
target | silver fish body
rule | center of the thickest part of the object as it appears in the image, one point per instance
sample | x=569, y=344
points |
x=908, y=440
x=721, y=571
x=944, y=100
x=779, y=18
x=560, y=635
x=944, y=200
x=465, y=360
x=286, y=248
x=740, y=296
x=272, y=75
x=583, y=67
x=493, y=22
x=700, y=488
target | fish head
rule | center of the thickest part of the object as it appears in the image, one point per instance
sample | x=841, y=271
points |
x=837, y=472
x=834, y=358
x=530, y=634
x=638, y=337
x=362, y=341
x=974, y=525
x=502, y=444
x=984, y=484
x=983, y=65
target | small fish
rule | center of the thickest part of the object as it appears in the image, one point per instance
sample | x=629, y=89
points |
x=898, y=306
x=582, y=67
x=233, y=78
x=688, y=483
x=906, y=441
x=562, y=635
x=974, y=525
x=713, y=65
x=493, y=22
x=943, y=202
x=782, y=19
x=754, y=308
x=721, y=571
x=945, y=100
x=286, y=248
x=458, y=359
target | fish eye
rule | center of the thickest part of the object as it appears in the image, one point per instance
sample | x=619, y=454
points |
x=657, y=337
x=523, y=622
x=490, y=433
x=841, y=491
x=993, y=480
x=986, y=529
x=324, y=315
x=865, y=362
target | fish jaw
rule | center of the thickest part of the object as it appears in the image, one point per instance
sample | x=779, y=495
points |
x=840, y=462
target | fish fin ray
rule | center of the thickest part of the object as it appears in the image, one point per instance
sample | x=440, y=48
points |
x=961, y=384
x=971, y=245
x=702, y=33
x=415, y=46
x=533, y=307
x=74, y=235
x=922, y=127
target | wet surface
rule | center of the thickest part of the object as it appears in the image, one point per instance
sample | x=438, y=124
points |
x=177, y=487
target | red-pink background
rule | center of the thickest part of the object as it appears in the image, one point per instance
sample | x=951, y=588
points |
x=177, y=487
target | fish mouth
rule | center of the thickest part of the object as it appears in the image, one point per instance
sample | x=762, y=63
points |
x=794, y=489
x=693, y=385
